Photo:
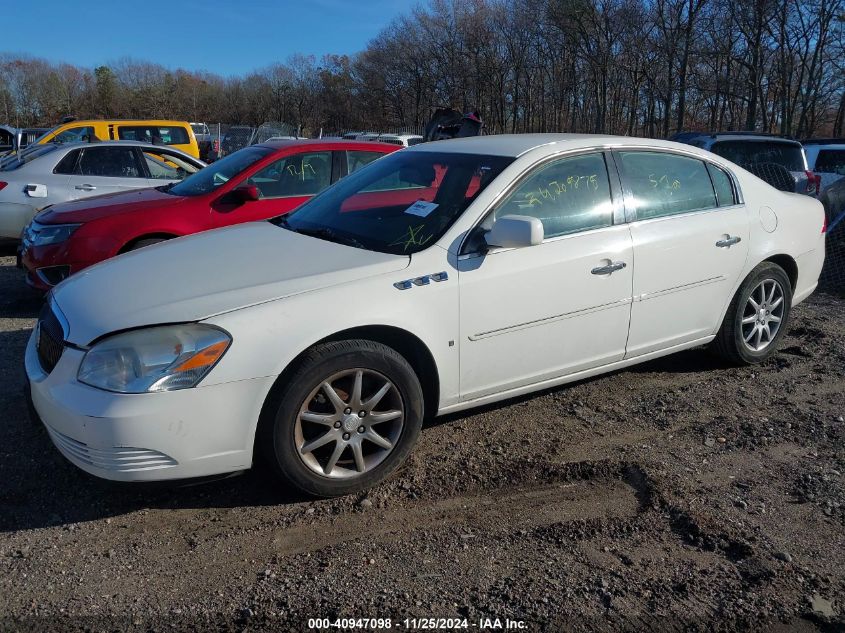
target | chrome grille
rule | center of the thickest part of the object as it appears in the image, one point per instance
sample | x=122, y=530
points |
x=118, y=459
x=50, y=344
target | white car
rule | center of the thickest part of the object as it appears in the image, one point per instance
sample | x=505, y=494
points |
x=44, y=175
x=442, y=277
x=405, y=140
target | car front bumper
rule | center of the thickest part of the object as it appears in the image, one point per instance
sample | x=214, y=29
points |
x=41, y=263
x=182, y=434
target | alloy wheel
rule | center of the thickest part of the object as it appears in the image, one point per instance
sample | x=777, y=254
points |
x=349, y=423
x=763, y=315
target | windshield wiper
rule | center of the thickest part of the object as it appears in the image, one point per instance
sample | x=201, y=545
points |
x=323, y=233
x=329, y=235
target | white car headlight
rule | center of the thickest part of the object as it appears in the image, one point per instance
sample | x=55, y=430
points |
x=161, y=358
x=44, y=234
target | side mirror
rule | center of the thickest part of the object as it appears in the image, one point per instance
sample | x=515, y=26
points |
x=515, y=231
x=246, y=193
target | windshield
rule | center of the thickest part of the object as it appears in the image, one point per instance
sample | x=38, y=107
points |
x=752, y=152
x=208, y=179
x=16, y=160
x=399, y=204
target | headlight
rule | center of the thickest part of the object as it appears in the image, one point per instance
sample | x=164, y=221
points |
x=44, y=234
x=162, y=358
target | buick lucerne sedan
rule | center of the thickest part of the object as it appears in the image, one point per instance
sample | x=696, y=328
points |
x=441, y=277
x=255, y=183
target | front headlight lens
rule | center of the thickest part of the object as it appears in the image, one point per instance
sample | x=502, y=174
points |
x=45, y=234
x=162, y=358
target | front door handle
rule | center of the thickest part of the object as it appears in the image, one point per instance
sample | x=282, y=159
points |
x=730, y=241
x=610, y=268
x=86, y=187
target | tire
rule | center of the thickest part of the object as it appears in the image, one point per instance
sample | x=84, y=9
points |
x=730, y=342
x=142, y=243
x=302, y=413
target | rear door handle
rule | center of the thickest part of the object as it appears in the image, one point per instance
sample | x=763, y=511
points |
x=86, y=187
x=730, y=241
x=610, y=268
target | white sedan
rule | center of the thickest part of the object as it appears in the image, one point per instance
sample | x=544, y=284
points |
x=44, y=175
x=442, y=277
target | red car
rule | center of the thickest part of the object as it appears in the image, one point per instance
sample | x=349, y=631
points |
x=254, y=183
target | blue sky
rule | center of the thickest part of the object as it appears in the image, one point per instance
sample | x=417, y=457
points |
x=223, y=36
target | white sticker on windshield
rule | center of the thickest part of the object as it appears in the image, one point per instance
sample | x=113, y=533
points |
x=421, y=208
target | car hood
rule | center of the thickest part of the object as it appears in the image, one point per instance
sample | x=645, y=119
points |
x=88, y=209
x=195, y=277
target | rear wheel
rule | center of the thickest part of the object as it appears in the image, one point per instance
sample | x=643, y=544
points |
x=757, y=316
x=346, y=418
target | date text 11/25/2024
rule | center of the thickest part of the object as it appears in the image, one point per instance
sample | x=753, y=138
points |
x=380, y=624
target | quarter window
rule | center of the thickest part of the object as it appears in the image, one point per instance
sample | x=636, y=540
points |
x=662, y=184
x=68, y=164
x=567, y=196
x=725, y=195
x=115, y=162
x=296, y=175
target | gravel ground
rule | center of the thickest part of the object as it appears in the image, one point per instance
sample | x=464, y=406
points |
x=678, y=495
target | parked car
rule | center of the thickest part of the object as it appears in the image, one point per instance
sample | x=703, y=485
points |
x=49, y=174
x=826, y=157
x=255, y=183
x=438, y=278
x=778, y=160
x=205, y=140
x=405, y=140
x=833, y=199
x=237, y=137
x=176, y=134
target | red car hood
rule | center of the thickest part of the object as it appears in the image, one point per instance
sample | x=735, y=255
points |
x=88, y=209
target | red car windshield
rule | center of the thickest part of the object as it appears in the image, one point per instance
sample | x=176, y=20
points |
x=402, y=203
x=219, y=173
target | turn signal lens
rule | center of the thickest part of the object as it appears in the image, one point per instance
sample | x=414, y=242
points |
x=204, y=357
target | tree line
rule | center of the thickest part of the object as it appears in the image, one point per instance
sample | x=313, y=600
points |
x=635, y=67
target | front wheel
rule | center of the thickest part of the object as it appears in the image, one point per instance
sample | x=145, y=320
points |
x=348, y=417
x=757, y=316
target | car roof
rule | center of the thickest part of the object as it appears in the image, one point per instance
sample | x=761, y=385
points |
x=132, y=121
x=320, y=143
x=823, y=141
x=515, y=145
x=738, y=136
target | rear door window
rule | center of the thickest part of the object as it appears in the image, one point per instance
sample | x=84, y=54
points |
x=174, y=135
x=110, y=162
x=661, y=184
x=297, y=175
x=749, y=153
x=357, y=160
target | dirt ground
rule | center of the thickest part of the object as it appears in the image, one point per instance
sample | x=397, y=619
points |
x=680, y=495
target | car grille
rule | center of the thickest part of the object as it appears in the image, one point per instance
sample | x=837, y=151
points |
x=118, y=459
x=50, y=344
